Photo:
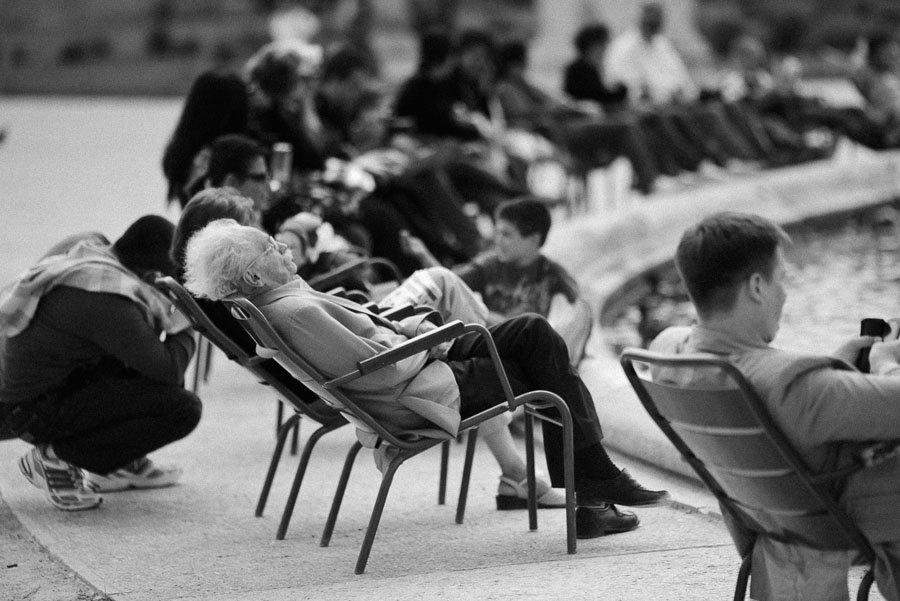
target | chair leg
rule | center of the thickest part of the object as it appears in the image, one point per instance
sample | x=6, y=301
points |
x=740, y=587
x=377, y=510
x=273, y=463
x=529, y=467
x=863, y=593
x=295, y=438
x=569, y=469
x=445, y=460
x=207, y=365
x=279, y=416
x=198, y=365
x=298, y=480
x=339, y=495
x=467, y=473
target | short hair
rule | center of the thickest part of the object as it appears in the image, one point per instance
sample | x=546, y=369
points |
x=232, y=154
x=513, y=53
x=590, y=35
x=217, y=257
x=144, y=247
x=435, y=47
x=716, y=255
x=473, y=38
x=277, y=67
x=205, y=207
x=529, y=216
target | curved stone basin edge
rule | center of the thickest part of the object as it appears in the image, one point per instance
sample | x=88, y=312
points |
x=604, y=250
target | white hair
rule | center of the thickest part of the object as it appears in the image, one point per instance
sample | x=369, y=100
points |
x=217, y=257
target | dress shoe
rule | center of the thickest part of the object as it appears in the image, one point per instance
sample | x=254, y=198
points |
x=623, y=489
x=591, y=522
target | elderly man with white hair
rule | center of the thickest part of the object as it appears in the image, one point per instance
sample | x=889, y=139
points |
x=229, y=260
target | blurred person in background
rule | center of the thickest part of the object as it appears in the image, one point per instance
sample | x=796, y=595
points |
x=215, y=105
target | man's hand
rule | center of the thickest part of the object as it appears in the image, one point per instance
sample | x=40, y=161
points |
x=177, y=322
x=849, y=350
x=884, y=357
x=440, y=351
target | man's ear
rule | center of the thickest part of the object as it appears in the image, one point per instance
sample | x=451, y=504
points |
x=754, y=286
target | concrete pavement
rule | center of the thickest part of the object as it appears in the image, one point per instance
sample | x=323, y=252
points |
x=199, y=540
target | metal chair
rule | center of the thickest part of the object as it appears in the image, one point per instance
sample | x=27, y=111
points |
x=724, y=431
x=264, y=370
x=340, y=275
x=270, y=343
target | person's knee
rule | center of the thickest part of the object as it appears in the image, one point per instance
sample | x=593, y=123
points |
x=186, y=413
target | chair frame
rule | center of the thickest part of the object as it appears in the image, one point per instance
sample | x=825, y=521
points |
x=815, y=484
x=328, y=421
x=271, y=343
x=340, y=274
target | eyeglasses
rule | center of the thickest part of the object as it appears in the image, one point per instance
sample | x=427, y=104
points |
x=271, y=245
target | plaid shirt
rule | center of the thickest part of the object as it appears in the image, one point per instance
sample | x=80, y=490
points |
x=86, y=266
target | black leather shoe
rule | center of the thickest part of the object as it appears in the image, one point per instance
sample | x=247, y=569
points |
x=591, y=522
x=623, y=489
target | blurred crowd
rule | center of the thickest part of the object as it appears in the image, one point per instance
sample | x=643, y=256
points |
x=432, y=159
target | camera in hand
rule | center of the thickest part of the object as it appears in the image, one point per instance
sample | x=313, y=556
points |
x=871, y=326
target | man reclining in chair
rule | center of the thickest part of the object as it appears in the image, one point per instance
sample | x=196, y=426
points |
x=433, y=389
x=733, y=267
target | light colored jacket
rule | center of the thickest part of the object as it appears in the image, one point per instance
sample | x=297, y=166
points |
x=415, y=396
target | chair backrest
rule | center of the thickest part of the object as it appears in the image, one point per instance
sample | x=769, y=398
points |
x=723, y=429
x=201, y=322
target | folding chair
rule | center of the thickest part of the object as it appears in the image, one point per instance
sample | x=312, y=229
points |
x=270, y=343
x=328, y=419
x=723, y=430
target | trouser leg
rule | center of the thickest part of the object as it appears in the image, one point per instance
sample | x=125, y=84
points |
x=672, y=150
x=535, y=358
x=113, y=421
x=441, y=289
x=887, y=570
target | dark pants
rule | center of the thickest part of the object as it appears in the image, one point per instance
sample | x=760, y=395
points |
x=109, y=421
x=594, y=143
x=535, y=358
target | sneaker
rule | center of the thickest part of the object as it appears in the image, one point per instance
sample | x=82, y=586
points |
x=591, y=522
x=623, y=489
x=142, y=473
x=62, y=481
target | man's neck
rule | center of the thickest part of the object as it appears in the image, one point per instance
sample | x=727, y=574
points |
x=735, y=327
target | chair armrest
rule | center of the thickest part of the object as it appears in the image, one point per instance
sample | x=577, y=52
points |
x=420, y=343
x=398, y=313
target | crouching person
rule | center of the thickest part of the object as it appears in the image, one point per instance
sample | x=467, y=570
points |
x=92, y=363
x=432, y=389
